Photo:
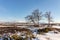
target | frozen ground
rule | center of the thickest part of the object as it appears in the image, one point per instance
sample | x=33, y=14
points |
x=49, y=36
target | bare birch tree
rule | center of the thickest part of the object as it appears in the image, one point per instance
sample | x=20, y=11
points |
x=49, y=18
x=35, y=17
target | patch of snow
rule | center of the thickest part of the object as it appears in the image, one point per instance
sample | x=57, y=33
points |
x=49, y=36
x=56, y=27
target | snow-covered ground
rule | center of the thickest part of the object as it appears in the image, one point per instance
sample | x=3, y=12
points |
x=49, y=36
x=56, y=27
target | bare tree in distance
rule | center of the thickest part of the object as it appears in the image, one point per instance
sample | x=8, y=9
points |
x=48, y=17
x=29, y=18
x=35, y=17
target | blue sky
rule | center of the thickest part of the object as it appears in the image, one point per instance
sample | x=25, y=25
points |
x=11, y=10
